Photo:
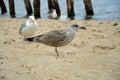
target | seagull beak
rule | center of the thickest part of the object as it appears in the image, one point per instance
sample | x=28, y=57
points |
x=82, y=27
x=32, y=20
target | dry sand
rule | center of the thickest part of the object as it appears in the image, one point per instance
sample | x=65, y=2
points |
x=94, y=54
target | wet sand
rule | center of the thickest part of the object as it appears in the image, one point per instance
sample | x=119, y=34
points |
x=94, y=54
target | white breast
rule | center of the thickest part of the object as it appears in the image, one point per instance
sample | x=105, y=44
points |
x=54, y=15
x=29, y=30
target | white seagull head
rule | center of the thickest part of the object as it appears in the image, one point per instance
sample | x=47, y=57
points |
x=31, y=19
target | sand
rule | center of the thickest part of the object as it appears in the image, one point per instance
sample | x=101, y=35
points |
x=94, y=54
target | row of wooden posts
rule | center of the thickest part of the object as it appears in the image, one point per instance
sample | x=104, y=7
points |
x=52, y=4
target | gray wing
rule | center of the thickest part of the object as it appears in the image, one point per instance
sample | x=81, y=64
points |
x=54, y=36
x=23, y=25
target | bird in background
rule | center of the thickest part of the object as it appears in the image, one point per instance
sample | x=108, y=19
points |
x=54, y=14
x=29, y=27
x=57, y=38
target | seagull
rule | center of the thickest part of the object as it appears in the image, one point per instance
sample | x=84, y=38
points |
x=57, y=38
x=54, y=14
x=29, y=27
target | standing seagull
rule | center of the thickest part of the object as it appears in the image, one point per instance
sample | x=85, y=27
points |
x=29, y=27
x=57, y=38
x=54, y=14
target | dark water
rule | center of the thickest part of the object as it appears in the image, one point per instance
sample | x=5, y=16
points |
x=103, y=9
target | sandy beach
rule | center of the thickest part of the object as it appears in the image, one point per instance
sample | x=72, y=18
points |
x=94, y=54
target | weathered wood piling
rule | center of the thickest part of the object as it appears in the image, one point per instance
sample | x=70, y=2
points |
x=50, y=5
x=28, y=7
x=70, y=8
x=88, y=7
x=53, y=4
x=56, y=7
x=36, y=5
x=3, y=7
x=12, y=8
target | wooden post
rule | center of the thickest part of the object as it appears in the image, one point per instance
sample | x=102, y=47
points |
x=36, y=8
x=3, y=7
x=12, y=8
x=28, y=7
x=56, y=7
x=88, y=7
x=70, y=8
x=50, y=5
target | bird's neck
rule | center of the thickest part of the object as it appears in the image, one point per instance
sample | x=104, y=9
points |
x=73, y=29
x=30, y=22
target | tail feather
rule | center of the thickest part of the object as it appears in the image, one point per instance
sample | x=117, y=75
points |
x=32, y=39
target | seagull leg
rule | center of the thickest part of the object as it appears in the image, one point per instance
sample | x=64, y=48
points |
x=56, y=51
